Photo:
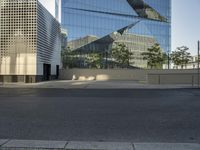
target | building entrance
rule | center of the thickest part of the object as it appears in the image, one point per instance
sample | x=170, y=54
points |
x=46, y=71
x=57, y=71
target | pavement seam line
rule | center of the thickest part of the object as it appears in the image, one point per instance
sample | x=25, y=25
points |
x=133, y=145
x=65, y=147
x=32, y=147
x=67, y=142
x=4, y=142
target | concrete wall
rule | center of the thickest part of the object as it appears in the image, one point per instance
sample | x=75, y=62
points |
x=103, y=74
x=150, y=76
x=173, y=78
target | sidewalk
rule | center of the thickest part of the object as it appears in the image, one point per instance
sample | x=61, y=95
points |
x=70, y=145
x=70, y=84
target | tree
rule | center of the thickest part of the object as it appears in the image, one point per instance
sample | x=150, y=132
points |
x=180, y=56
x=121, y=54
x=94, y=60
x=154, y=56
x=68, y=58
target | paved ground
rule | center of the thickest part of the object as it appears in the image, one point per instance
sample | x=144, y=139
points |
x=77, y=145
x=70, y=84
x=127, y=115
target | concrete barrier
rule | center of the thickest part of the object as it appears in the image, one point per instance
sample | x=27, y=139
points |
x=189, y=76
x=173, y=78
x=103, y=74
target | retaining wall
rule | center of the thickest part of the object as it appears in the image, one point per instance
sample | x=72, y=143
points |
x=150, y=76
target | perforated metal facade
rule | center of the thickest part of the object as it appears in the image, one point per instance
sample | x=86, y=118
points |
x=29, y=38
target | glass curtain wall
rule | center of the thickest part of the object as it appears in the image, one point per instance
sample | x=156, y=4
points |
x=96, y=19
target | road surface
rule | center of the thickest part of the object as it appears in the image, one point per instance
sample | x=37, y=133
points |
x=126, y=115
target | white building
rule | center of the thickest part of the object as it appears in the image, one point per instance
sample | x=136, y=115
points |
x=193, y=64
x=30, y=42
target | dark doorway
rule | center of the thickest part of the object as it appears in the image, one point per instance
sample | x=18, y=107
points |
x=57, y=71
x=46, y=71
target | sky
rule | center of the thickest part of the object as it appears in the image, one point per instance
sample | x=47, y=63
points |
x=185, y=22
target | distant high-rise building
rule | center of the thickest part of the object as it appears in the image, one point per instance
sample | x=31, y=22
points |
x=102, y=18
x=30, y=42
x=58, y=10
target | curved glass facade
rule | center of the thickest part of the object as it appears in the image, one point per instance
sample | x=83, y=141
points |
x=100, y=18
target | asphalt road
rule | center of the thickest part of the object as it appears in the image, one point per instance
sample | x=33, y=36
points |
x=101, y=115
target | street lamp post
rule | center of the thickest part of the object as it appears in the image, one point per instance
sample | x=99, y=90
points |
x=198, y=57
x=168, y=60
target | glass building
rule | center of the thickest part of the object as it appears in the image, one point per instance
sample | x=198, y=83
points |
x=111, y=20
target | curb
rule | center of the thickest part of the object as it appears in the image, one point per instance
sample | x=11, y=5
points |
x=72, y=145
